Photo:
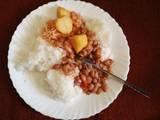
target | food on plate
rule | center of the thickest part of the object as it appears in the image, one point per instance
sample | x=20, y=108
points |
x=55, y=53
x=64, y=24
x=62, y=12
x=79, y=42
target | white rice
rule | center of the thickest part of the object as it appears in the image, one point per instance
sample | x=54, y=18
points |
x=62, y=86
x=103, y=34
x=43, y=56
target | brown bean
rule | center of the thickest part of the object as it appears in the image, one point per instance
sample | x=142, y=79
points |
x=70, y=54
x=73, y=16
x=104, y=87
x=67, y=46
x=95, y=81
x=103, y=78
x=104, y=67
x=101, y=64
x=97, y=45
x=90, y=34
x=77, y=83
x=80, y=66
x=96, y=76
x=84, y=88
x=92, y=73
x=98, y=53
x=95, y=88
x=72, y=67
x=90, y=43
x=83, y=77
x=88, y=80
x=65, y=60
x=88, y=92
x=89, y=66
x=109, y=68
x=89, y=49
x=66, y=69
x=84, y=30
x=69, y=60
x=108, y=62
x=58, y=44
x=91, y=56
x=83, y=53
x=67, y=49
x=77, y=80
x=99, y=91
x=91, y=87
x=56, y=66
x=95, y=42
x=87, y=71
x=79, y=32
x=99, y=84
x=97, y=60
x=84, y=67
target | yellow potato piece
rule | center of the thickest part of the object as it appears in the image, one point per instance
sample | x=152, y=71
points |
x=79, y=42
x=64, y=25
x=62, y=12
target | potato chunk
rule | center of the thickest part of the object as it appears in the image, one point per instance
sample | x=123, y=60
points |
x=79, y=42
x=62, y=12
x=64, y=24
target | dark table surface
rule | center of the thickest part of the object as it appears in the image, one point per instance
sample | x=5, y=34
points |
x=140, y=20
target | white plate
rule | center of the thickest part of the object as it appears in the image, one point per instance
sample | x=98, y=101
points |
x=29, y=89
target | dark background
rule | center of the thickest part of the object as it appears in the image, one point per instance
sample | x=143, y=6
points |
x=140, y=20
